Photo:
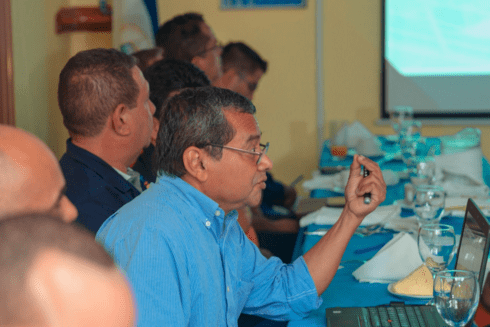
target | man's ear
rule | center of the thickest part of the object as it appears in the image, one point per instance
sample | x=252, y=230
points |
x=120, y=118
x=195, y=163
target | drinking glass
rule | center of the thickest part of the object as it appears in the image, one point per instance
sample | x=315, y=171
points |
x=424, y=170
x=436, y=246
x=410, y=149
x=456, y=296
x=410, y=129
x=429, y=203
x=398, y=115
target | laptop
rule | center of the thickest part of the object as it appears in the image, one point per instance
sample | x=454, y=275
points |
x=472, y=255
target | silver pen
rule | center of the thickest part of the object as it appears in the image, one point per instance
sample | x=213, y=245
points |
x=367, y=196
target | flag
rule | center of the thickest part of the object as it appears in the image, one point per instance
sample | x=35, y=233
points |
x=134, y=25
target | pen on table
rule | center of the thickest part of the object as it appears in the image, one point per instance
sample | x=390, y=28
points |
x=367, y=196
x=296, y=181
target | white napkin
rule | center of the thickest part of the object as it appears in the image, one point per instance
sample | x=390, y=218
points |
x=350, y=135
x=462, y=164
x=405, y=224
x=398, y=258
x=337, y=182
x=456, y=206
x=455, y=188
x=328, y=216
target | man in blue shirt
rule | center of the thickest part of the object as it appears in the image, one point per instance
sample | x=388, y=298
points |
x=187, y=258
x=104, y=100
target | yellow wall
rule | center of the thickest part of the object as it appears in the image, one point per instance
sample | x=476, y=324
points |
x=286, y=97
x=39, y=55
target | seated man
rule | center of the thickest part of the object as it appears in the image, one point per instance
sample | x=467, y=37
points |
x=166, y=78
x=242, y=62
x=106, y=107
x=187, y=258
x=188, y=37
x=276, y=230
x=55, y=274
x=31, y=180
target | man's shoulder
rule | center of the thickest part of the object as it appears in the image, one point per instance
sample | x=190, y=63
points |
x=87, y=175
x=148, y=213
x=76, y=165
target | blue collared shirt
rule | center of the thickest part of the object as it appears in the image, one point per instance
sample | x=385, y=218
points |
x=190, y=265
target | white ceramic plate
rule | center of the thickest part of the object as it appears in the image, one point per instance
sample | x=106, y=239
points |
x=390, y=289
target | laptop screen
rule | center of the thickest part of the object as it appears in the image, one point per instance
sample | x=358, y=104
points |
x=473, y=247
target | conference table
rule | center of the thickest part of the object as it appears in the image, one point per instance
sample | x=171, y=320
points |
x=345, y=290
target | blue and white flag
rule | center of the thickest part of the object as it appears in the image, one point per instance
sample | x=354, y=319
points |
x=134, y=25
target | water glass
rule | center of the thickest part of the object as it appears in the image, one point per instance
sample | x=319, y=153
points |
x=411, y=148
x=398, y=115
x=410, y=129
x=424, y=170
x=436, y=244
x=429, y=203
x=456, y=296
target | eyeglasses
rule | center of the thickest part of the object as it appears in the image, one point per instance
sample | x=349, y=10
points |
x=263, y=150
x=217, y=46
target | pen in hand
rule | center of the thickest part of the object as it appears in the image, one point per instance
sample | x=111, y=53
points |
x=367, y=196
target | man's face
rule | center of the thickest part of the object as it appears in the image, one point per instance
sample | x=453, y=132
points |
x=248, y=83
x=143, y=113
x=210, y=60
x=236, y=179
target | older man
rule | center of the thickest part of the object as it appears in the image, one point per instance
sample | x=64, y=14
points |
x=30, y=177
x=188, y=259
x=55, y=274
x=106, y=107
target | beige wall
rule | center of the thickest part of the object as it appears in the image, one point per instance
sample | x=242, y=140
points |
x=286, y=97
x=39, y=55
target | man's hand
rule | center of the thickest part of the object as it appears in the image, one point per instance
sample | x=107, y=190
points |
x=323, y=259
x=357, y=186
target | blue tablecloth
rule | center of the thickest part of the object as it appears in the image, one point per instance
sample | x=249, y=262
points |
x=394, y=192
x=345, y=290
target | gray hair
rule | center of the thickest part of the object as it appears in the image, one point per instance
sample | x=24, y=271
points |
x=195, y=117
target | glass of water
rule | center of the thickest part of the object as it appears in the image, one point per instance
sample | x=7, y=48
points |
x=436, y=246
x=456, y=296
x=398, y=115
x=429, y=203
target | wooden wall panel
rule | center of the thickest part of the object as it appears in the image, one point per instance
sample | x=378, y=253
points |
x=7, y=108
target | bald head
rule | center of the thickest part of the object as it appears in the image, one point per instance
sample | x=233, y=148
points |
x=56, y=274
x=30, y=178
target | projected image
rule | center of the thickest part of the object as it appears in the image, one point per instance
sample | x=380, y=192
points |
x=437, y=55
